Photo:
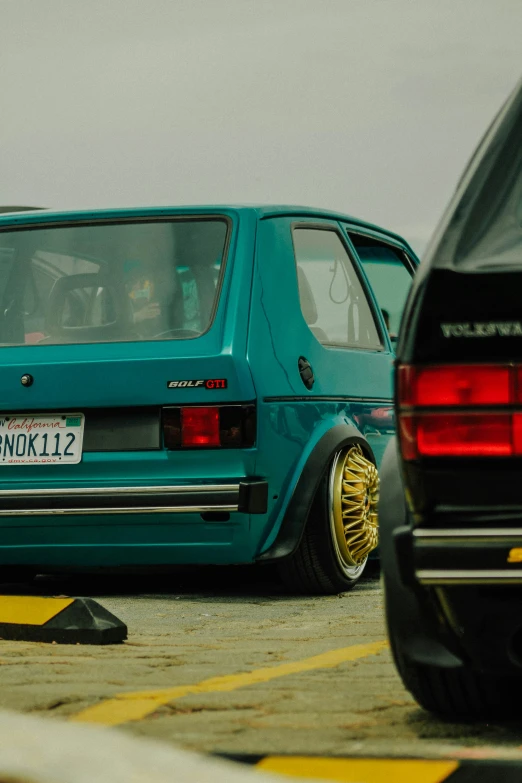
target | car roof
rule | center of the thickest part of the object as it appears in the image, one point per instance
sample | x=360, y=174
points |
x=34, y=215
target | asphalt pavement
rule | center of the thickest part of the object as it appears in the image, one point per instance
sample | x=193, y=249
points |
x=224, y=661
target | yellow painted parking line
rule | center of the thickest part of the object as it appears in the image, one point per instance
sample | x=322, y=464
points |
x=125, y=707
x=31, y=610
x=360, y=770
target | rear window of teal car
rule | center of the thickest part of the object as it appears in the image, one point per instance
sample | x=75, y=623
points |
x=110, y=282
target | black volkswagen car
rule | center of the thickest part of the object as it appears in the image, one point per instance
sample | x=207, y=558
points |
x=451, y=499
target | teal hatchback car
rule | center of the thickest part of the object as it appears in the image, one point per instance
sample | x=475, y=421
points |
x=205, y=385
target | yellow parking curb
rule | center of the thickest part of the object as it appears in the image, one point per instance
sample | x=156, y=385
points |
x=30, y=610
x=391, y=769
x=62, y=620
x=360, y=770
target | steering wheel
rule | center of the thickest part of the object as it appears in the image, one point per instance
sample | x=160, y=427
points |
x=179, y=333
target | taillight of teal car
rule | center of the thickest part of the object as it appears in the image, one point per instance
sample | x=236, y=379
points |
x=207, y=385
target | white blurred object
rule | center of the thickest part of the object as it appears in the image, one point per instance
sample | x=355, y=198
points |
x=44, y=750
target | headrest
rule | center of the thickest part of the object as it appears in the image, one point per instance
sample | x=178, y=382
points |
x=67, y=283
x=57, y=298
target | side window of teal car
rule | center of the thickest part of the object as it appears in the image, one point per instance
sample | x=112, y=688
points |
x=333, y=300
x=389, y=271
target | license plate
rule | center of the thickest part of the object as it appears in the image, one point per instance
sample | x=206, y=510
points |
x=42, y=439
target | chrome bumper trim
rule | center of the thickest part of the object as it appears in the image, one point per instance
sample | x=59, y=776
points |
x=122, y=491
x=463, y=532
x=49, y=512
x=85, y=501
x=249, y=495
x=468, y=577
x=466, y=535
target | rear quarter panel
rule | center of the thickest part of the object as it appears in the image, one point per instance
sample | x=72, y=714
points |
x=351, y=386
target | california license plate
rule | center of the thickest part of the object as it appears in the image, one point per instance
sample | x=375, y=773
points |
x=42, y=439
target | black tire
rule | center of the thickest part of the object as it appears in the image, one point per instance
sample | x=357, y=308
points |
x=448, y=688
x=459, y=693
x=314, y=569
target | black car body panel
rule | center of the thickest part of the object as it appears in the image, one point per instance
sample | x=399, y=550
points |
x=452, y=553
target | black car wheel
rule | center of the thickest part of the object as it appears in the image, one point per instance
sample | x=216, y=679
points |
x=457, y=692
x=340, y=531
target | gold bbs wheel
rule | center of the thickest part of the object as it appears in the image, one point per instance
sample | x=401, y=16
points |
x=353, y=498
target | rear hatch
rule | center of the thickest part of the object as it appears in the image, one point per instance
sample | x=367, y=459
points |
x=107, y=323
x=460, y=347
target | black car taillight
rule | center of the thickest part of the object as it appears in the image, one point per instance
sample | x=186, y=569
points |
x=460, y=410
x=209, y=426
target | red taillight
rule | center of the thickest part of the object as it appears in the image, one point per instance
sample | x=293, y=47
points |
x=200, y=427
x=456, y=385
x=457, y=435
x=217, y=426
x=452, y=410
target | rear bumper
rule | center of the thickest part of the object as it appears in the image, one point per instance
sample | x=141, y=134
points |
x=468, y=592
x=249, y=496
x=467, y=556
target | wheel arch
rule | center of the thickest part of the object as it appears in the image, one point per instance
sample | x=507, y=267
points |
x=310, y=473
x=414, y=627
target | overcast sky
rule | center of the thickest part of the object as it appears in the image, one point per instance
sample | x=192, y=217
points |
x=371, y=107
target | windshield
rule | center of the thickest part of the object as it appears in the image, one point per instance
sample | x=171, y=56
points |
x=110, y=282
